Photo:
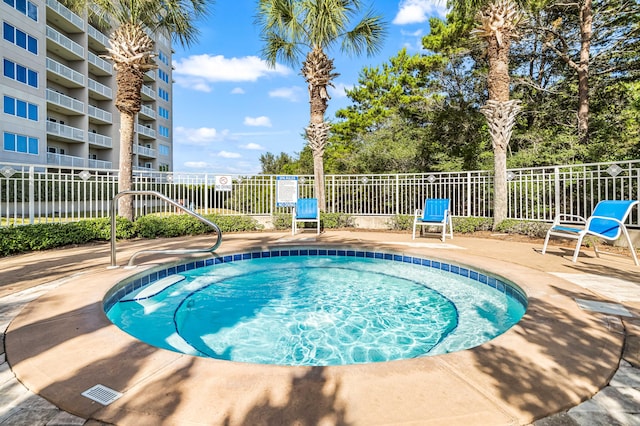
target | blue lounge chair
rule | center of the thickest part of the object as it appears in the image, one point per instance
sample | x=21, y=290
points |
x=305, y=210
x=436, y=212
x=606, y=221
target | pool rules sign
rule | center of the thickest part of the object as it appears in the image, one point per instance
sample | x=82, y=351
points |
x=286, y=191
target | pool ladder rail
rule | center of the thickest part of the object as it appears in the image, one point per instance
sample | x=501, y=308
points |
x=114, y=204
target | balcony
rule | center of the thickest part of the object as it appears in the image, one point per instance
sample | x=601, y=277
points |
x=99, y=141
x=99, y=91
x=145, y=132
x=65, y=160
x=144, y=151
x=63, y=46
x=150, y=76
x=148, y=94
x=65, y=133
x=97, y=41
x=63, y=103
x=99, y=66
x=100, y=116
x=147, y=112
x=64, y=19
x=99, y=164
x=63, y=75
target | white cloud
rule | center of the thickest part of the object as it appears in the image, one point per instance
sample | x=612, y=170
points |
x=262, y=121
x=418, y=11
x=294, y=93
x=199, y=71
x=227, y=154
x=200, y=136
x=196, y=164
x=253, y=147
x=237, y=91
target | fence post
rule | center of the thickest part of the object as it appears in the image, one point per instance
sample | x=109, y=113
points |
x=469, y=189
x=206, y=193
x=397, y=194
x=557, y=191
x=32, y=196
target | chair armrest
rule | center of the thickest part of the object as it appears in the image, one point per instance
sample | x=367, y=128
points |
x=612, y=219
x=568, y=218
x=418, y=213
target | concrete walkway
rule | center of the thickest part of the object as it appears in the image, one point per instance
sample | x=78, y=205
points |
x=614, y=282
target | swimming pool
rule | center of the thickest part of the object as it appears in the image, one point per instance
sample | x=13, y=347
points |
x=357, y=306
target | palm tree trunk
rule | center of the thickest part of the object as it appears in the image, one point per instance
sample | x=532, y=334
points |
x=128, y=102
x=501, y=116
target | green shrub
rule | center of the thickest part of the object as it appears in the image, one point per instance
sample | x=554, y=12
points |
x=523, y=227
x=400, y=223
x=468, y=225
x=336, y=221
x=281, y=221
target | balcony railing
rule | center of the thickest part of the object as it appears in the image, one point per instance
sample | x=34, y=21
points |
x=143, y=150
x=66, y=72
x=65, y=160
x=100, y=140
x=100, y=114
x=146, y=131
x=61, y=10
x=98, y=36
x=64, y=131
x=147, y=111
x=100, y=63
x=71, y=49
x=103, y=91
x=64, y=101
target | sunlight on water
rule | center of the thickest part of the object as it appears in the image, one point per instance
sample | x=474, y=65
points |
x=317, y=310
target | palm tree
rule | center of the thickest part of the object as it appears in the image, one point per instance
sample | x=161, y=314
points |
x=497, y=23
x=289, y=27
x=132, y=52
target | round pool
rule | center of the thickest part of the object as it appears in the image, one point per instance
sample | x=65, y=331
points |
x=315, y=306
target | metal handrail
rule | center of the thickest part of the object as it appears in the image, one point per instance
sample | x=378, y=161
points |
x=173, y=203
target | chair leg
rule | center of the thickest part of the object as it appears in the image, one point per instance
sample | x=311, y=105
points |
x=577, y=250
x=414, y=230
x=444, y=231
x=546, y=241
x=451, y=229
x=630, y=245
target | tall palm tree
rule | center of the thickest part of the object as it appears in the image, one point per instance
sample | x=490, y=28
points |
x=132, y=52
x=497, y=24
x=291, y=27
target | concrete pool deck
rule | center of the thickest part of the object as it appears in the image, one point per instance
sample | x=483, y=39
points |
x=558, y=356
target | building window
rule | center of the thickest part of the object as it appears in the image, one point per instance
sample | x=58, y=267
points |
x=20, y=143
x=25, y=7
x=163, y=167
x=163, y=94
x=163, y=112
x=20, y=38
x=19, y=73
x=164, y=131
x=164, y=150
x=20, y=108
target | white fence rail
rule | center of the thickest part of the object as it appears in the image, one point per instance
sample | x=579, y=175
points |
x=34, y=194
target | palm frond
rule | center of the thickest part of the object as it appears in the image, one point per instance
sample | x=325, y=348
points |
x=367, y=36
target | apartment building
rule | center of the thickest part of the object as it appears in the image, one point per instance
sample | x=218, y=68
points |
x=58, y=93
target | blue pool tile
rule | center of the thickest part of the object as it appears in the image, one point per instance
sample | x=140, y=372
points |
x=313, y=252
x=171, y=270
x=435, y=264
x=378, y=255
x=294, y=252
x=351, y=253
x=284, y=253
x=387, y=256
x=397, y=258
x=265, y=254
x=445, y=267
x=482, y=278
x=322, y=252
x=181, y=268
x=304, y=252
x=359, y=254
x=425, y=262
x=342, y=253
x=501, y=286
x=416, y=261
x=455, y=269
x=492, y=282
x=332, y=252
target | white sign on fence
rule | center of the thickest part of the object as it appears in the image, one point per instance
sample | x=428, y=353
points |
x=286, y=191
x=223, y=183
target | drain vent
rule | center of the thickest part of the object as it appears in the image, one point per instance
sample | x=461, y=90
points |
x=102, y=394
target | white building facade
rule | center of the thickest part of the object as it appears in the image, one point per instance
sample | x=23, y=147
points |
x=58, y=93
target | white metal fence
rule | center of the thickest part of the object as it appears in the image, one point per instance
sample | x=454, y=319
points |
x=34, y=194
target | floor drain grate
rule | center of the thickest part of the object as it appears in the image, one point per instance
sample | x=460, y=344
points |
x=102, y=394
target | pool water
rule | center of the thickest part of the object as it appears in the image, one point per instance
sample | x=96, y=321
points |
x=316, y=310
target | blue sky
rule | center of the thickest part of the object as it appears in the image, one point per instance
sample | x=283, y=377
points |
x=229, y=107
